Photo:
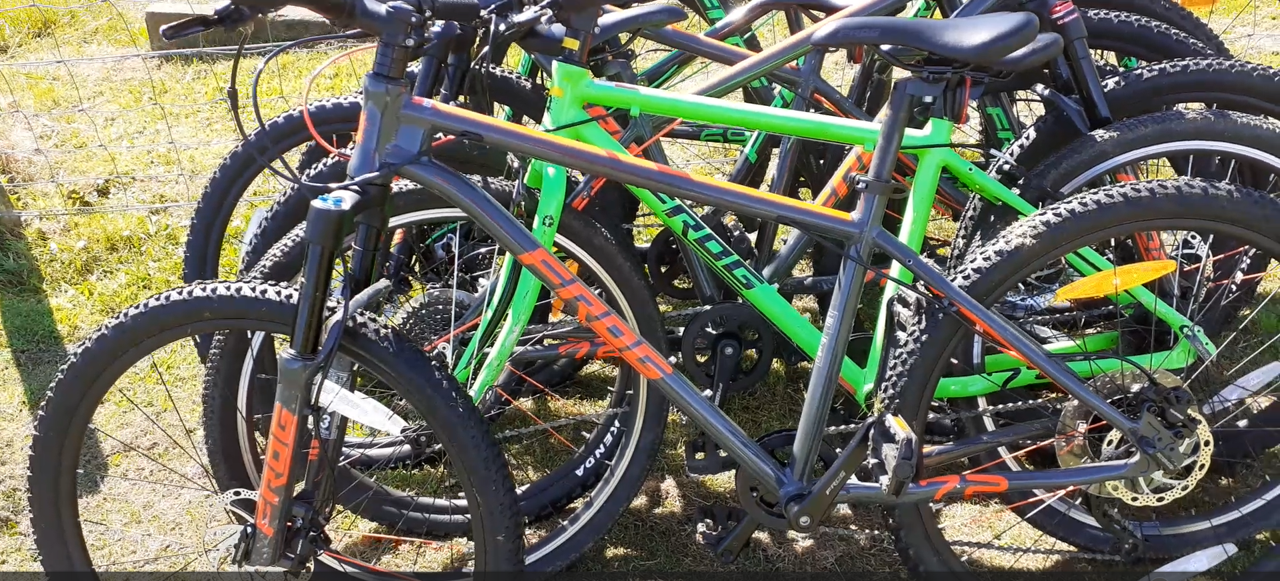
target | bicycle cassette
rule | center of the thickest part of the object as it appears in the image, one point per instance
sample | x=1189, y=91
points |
x=431, y=315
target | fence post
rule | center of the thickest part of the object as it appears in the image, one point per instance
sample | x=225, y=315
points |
x=10, y=222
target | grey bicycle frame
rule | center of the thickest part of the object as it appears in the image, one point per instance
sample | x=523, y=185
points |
x=395, y=127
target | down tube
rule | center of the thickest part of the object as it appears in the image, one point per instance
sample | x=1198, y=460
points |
x=729, y=266
x=494, y=219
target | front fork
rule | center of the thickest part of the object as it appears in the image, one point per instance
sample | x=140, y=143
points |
x=280, y=523
x=552, y=183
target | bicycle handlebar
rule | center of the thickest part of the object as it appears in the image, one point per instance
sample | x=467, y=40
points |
x=225, y=16
x=368, y=15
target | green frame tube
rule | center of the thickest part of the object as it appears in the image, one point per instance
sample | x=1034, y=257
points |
x=574, y=88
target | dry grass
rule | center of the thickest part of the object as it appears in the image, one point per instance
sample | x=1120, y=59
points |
x=62, y=276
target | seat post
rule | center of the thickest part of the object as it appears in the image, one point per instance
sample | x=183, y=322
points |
x=579, y=26
x=897, y=116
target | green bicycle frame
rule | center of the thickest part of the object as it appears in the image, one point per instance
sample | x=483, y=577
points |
x=574, y=88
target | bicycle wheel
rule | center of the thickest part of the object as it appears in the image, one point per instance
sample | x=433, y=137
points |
x=1226, y=490
x=1117, y=40
x=103, y=491
x=1214, y=144
x=243, y=174
x=1166, y=12
x=1196, y=83
x=579, y=444
x=1114, y=37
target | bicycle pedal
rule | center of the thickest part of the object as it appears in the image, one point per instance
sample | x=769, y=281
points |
x=703, y=457
x=716, y=522
x=896, y=448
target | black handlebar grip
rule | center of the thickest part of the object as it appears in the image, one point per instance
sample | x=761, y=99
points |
x=188, y=27
x=455, y=10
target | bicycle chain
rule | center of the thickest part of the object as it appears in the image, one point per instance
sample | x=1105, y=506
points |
x=1067, y=317
x=866, y=533
x=1004, y=407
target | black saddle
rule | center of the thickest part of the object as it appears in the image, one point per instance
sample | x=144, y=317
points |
x=983, y=40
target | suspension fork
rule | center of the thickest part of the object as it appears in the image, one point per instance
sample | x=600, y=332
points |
x=298, y=367
x=277, y=515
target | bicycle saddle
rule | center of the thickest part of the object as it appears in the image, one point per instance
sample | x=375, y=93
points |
x=977, y=40
x=547, y=39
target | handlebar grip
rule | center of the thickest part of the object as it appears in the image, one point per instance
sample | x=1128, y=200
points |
x=188, y=27
x=456, y=10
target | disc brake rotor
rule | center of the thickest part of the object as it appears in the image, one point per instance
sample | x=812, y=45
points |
x=1079, y=429
x=1160, y=488
x=220, y=540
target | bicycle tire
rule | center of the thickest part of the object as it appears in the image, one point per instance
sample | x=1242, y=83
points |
x=276, y=248
x=1170, y=13
x=174, y=315
x=333, y=118
x=1123, y=34
x=564, y=485
x=924, y=336
x=983, y=222
x=1237, y=86
x=1224, y=83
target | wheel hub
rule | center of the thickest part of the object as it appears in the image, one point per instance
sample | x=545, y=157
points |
x=1083, y=438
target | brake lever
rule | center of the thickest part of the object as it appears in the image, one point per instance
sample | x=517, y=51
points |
x=228, y=16
x=515, y=26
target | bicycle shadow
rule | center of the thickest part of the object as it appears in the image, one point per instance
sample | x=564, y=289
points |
x=36, y=346
x=658, y=532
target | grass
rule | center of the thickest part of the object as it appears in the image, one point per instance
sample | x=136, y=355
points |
x=165, y=128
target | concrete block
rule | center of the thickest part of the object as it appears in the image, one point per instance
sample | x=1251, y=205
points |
x=290, y=23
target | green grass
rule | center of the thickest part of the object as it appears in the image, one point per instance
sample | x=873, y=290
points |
x=62, y=276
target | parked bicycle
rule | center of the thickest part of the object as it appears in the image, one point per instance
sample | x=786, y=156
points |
x=1131, y=275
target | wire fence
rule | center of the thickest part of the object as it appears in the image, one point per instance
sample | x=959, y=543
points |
x=92, y=120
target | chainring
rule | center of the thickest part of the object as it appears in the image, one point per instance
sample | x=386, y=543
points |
x=667, y=268
x=763, y=506
x=740, y=322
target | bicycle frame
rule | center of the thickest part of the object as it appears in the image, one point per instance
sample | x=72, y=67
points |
x=574, y=89
x=395, y=124
x=732, y=30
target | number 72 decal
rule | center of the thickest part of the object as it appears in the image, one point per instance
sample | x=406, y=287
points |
x=973, y=484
